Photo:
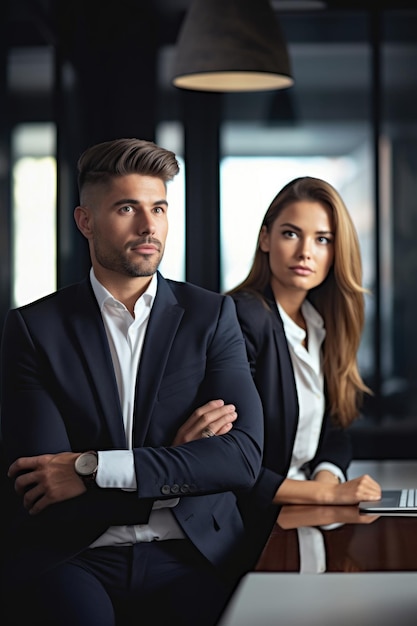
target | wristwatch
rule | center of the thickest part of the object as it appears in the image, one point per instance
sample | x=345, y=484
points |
x=86, y=466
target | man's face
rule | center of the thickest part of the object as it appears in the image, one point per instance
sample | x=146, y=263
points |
x=126, y=224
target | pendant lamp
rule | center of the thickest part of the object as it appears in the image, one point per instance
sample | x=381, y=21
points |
x=231, y=45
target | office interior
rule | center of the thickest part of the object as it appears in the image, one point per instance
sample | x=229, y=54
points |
x=76, y=73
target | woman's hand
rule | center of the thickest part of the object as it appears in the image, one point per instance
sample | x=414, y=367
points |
x=322, y=490
x=213, y=418
x=353, y=491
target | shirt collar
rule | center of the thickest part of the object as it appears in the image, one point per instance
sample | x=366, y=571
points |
x=312, y=317
x=103, y=296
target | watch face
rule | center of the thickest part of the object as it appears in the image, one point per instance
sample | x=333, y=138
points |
x=86, y=464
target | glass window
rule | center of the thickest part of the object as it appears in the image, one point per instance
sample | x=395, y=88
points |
x=33, y=212
x=169, y=135
x=244, y=205
x=398, y=214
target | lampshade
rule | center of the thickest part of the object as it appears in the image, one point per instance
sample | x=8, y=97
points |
x=231, y=45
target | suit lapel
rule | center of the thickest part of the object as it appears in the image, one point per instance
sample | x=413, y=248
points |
x=287, y=392
x=163, y=323
x=93, y=345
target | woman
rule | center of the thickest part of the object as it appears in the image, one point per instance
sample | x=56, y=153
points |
x=301, y=309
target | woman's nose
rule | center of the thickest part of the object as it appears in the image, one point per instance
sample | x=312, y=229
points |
x=305, y=249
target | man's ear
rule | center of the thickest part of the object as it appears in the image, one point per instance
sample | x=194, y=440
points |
x=83, y=219
x=264, y=239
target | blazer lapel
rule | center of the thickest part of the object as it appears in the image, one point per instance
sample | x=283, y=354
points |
x=91, y=336
x=287, y=392
x=163, y=323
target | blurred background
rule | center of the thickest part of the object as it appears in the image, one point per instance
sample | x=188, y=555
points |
x=73, y=73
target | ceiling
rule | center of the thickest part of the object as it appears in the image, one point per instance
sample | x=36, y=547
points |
x=328, y=44
x=33, y=21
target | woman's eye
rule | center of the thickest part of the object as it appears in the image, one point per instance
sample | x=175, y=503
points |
x=290, y=234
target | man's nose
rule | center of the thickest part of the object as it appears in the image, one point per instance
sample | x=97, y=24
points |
x=146, y=224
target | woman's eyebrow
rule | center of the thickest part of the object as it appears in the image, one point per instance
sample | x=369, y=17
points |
x=298, y=229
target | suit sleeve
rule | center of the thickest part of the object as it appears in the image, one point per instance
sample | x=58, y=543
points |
x=32, y=424
x=30, y=419
x=218, y=464
x=334, y=447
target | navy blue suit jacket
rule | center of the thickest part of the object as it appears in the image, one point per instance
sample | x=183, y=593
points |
x=273, y=373
x=59, y=393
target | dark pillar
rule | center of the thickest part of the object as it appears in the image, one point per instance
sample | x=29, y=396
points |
x=106, y=89
x=202, y=113
x=5, y=183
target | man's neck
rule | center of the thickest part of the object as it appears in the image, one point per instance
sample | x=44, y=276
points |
x=125, y=289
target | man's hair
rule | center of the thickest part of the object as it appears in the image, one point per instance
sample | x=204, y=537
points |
x=119, y=157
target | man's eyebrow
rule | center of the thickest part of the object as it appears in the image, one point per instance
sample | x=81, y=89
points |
x=138, y=202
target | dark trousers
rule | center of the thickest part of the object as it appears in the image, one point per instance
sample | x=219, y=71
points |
x=149, y=584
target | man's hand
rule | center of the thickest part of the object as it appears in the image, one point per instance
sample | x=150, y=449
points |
x=216, y=416
x=46, y=479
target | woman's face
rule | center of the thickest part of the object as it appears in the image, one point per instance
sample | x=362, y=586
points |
x=301, y=247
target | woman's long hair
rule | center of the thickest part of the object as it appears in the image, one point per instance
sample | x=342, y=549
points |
x=339, y=299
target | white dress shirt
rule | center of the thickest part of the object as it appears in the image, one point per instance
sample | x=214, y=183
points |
x=116, y=469
x=308, y=374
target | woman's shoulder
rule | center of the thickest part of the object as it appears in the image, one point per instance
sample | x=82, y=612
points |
x=248, y=300
x=253, y=307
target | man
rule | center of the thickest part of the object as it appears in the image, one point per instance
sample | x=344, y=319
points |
x=129, y=500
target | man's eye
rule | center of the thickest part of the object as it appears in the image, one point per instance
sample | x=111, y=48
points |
x=126, y=209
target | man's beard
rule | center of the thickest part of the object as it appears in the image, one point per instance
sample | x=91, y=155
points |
x=120, y=263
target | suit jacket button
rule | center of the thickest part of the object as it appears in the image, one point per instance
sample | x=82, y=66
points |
x=185, y=489
x=166, y=490
x=175, y=488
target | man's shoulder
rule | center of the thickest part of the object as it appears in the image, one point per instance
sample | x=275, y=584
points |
x=58, y=298
x=188, y=291
x=199, y=303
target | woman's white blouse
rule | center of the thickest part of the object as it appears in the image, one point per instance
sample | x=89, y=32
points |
x=308, y=373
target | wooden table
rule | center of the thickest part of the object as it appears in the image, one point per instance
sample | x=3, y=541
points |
x=350, y=541
x=294, y=581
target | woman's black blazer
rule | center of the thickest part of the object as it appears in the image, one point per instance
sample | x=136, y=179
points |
x=272, y=370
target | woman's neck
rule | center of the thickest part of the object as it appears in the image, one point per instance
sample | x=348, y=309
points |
x=292, y=303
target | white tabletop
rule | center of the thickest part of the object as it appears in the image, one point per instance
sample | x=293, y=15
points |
x=362, y=599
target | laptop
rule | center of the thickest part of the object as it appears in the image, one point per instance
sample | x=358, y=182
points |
x=394, y=501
